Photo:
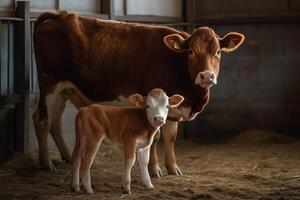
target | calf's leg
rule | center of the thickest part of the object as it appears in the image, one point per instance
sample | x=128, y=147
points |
x=169, y=132
x=153, y=166
x=129, y=159
x=86, y=163
x=143, y=158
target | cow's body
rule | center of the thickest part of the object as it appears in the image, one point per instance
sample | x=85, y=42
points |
x=107, y=60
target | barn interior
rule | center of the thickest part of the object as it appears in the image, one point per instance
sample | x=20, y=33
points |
x=244, y=145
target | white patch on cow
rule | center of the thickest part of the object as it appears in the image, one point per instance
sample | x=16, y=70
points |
x=182, y=112
x=54, y=99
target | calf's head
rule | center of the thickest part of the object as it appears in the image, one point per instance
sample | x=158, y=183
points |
x=157, y=105
x=203, y=51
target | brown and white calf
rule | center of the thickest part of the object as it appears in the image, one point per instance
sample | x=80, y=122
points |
x=133, y=127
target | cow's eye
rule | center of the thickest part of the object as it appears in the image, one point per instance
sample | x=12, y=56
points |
x=218, y=53
x=147, y=106
x=190, y=52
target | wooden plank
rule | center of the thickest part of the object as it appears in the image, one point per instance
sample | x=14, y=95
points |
x=10, y=58
x=22, y=61
x=189, y=13
x=149, y=19
x=257, y=19
x=3, y=58
x=35, y=15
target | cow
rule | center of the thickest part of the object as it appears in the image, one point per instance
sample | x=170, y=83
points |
x=134, y=128
x=110, y=60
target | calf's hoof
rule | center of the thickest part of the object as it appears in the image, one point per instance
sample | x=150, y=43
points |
x=67, y=159
x=149, y=186
x=75, y=189
x=48, y=166
x=89, y=191
x=126, y=191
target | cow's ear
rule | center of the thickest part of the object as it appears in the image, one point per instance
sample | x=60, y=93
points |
x=175, y=42
x=138, y=100
x=231, y=41
x=175, y=100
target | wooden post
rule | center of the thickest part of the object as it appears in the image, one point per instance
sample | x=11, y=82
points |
x=108, y=8
x=22, y=74
x=189, y=14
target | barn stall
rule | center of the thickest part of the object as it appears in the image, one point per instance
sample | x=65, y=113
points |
x=244, y=145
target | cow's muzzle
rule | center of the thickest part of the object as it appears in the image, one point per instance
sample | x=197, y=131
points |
x=206, y=79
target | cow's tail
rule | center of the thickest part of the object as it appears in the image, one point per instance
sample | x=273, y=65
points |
x=49, y=16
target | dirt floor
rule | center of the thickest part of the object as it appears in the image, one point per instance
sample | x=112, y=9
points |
x=241, y=169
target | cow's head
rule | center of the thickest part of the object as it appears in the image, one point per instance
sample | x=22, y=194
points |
x=203, y=50
x=157, y=105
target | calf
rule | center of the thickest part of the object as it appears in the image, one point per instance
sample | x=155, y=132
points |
x=133, y=127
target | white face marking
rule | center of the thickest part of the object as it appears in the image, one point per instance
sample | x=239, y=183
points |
x=157, y=110
x=206, y=79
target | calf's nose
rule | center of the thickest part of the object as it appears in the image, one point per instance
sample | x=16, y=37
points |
x=158, y=119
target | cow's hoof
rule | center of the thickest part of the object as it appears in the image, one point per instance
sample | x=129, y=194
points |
x=49, y=166
x=175, y=171
x=157, y=173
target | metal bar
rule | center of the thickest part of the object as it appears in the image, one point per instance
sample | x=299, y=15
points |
x=111, y=14
x=22, y=59
x=125, y=7
x=4, y=59
x=11, y=58
x=1, y=80
x=11, y=19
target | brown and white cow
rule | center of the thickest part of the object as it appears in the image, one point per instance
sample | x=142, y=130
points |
x=108, y=61
x=134, y=128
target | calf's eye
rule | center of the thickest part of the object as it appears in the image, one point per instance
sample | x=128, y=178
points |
x=218, y=53
x=147, y=106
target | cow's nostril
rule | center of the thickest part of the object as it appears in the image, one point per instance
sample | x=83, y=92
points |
x=202, y=76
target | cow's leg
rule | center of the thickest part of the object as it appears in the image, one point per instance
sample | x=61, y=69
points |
x=57, y=110
x=153, y=166
x=169, y=132
x=129, y=159
x=143, y=158
x=42, y=126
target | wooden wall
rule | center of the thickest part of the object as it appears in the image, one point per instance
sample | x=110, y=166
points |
x=259, y=85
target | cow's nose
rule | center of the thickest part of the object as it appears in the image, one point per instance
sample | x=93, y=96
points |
x=206, y=79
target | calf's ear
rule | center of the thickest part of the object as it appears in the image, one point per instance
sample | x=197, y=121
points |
x=175, y=100
x=231, y=41
x=138, y=100
x=175, y=42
